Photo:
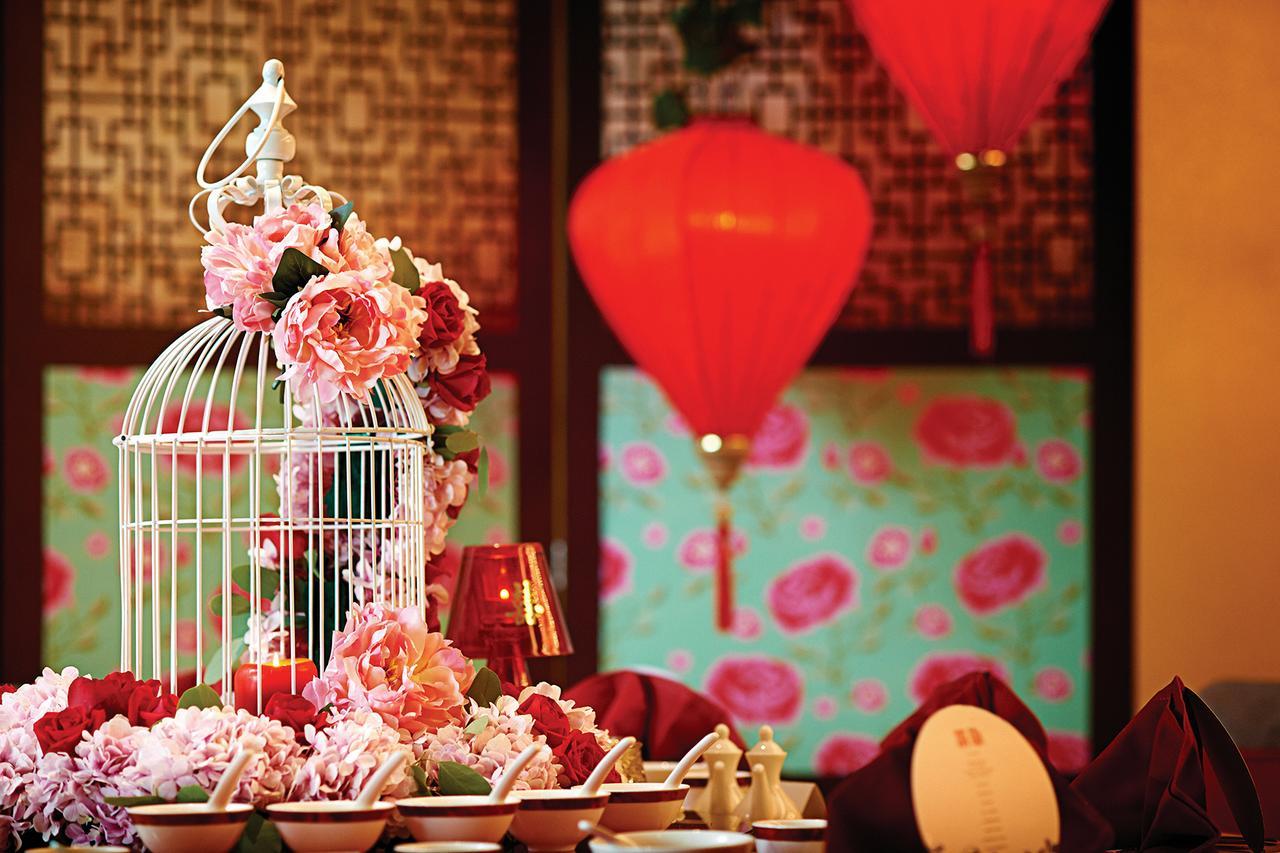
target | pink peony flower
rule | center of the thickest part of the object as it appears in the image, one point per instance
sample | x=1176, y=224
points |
x=237, y=269
x=85, y=469
x=869, y=695
x=935, y=670
x=1053, y=684
x=747, y=624
x=840, y=754
x=869, y=463
x=781, y=440
x=387, y=661
x=343, y=332
x=813, y=592
x=967, y=432
x=305, y=227
x=889, y=548
x=59, y=577
x=1057, y=461
x=933, y=621
x=218, y=417
x=1000, y=573
x=615, y=570
x=698, y=552
x=643, y=464
x=756, y=688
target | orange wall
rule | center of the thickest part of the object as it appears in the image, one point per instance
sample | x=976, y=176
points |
x=1208, y=342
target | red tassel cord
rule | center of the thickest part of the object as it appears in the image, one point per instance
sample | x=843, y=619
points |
x=724, y=564
x=982, y=337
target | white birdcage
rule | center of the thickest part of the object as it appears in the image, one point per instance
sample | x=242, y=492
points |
x=342, y=483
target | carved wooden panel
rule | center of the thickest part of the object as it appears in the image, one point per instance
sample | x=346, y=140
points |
x=814, y=79
x=408, y=108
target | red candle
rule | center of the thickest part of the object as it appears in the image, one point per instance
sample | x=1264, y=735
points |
x=277, y=677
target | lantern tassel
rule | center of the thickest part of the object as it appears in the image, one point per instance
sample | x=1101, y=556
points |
x=724, y=563
x=982, y=314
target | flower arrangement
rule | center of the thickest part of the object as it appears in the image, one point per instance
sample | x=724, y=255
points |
x=344, y=311
x=76, y=751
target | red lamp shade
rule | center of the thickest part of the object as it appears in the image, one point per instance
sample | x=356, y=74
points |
x=978, y=71
x=719, y=255
x=505, y=609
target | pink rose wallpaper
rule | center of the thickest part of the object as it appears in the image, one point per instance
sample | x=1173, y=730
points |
x=895, y=528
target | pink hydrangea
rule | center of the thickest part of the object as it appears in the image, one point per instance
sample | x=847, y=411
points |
x=19, y=749
x=344, y=755
x=505, y=733
x=195, y=745
x=344, y=331
x=389, y=661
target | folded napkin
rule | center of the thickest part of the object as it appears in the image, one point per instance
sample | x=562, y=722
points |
x=872, y=810
x=1150, y=781
x=666, y=717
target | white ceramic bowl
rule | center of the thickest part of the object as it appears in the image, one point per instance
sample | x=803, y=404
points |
x=803, y=835
x=458, y=818
x=448, y=847
x=677, y=839
x=548, y=820
x=329, y=825
x=639, y=806
x=180, y=827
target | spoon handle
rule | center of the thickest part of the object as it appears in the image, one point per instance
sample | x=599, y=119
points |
x=230, y=779
x=377, y=783
x=509, y=776
x=677, y=774
x=592, y=784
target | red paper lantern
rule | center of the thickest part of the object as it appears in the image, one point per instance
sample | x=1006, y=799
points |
x=977, y=72
x=720, y=255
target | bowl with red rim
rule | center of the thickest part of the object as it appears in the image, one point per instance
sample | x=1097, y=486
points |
x=547, y=820
x=639, y=806
x=689, y=840
x=179, y=827
x=327, y=825
x=800, y=835
x=458, y=818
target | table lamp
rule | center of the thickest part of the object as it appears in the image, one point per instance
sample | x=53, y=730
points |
x=505, y=609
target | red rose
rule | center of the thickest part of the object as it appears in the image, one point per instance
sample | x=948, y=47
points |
x=781, y=440
x=148, y=704
x=110, y=694
x=464, y=386
x=935, y=670
x=1000, y=573
x=755, y=688
x=295, y=712
x=969, y=432
x=60, y=731
x=813, y=592
x=7, y=688
x=578, y=755
x=446, y=319
x=549, y=719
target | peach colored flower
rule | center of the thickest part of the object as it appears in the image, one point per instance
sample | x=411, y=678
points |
x=238, y=268
x=358, y=250
x=388, y=661
x=304, y=227
x=343, y=332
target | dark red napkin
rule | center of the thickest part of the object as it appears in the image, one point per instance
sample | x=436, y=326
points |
x=871, y=809
x=1150, y=781
x=664, y=715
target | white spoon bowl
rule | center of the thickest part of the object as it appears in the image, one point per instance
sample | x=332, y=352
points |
x=330, y=825
x=181, y=827
x=639, y=806
x=547, y=820
x=458, y=818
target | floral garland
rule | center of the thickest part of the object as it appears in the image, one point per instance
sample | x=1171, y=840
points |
x=345, y=311
x=76, y=751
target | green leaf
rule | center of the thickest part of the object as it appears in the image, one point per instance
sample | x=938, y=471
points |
x=458, y=778
x=670, y=110
x=339, y=215
x=129, y=802
x=459, y=443
x=200, y=696
x=476, y=726
x=260, y=836
x=482, y=472
x=270, y=578
x=192, y=794
x=293, y=272
x=486, y=687
x=223, y=311
x=405, y=273
x=420, y=777
x=239, y=604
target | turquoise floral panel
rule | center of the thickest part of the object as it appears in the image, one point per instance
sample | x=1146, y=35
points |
x=83, y=411
x=894, y=528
